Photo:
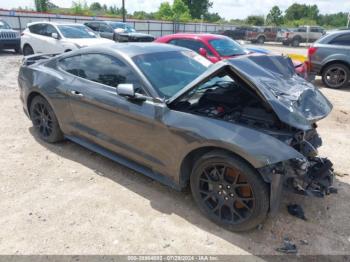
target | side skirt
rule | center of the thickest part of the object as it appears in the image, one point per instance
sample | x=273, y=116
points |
x=125, y=162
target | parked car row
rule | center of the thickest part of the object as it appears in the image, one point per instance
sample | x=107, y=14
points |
x=329, y=57
x=218, y=47
x=50, y=37
x=9, y=38
x=288, y=36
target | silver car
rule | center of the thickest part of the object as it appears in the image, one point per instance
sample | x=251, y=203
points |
x=330, y=58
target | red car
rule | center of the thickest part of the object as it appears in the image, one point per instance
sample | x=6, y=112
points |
x=213, y=47
x=218, y=47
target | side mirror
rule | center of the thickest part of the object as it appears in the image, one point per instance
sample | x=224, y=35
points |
x=128, y=91
x=54, y=35
x=203, y=52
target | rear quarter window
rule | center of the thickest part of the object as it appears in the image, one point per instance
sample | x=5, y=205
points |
x=341, y=40
x=71, y=65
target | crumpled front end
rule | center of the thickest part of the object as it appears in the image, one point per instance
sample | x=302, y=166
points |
x=310, y=175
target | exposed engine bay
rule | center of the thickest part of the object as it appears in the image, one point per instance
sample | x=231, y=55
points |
x=231, y=102
x=235, y=102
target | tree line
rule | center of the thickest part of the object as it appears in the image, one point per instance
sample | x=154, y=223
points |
x=198, y=10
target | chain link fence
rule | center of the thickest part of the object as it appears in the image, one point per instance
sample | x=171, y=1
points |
x=19, y=19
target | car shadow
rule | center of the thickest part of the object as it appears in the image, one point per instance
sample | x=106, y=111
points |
x=324, y=215
x=5, y=52
x=320, y=85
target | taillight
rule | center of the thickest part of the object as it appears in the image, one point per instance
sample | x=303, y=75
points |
x=311, y=51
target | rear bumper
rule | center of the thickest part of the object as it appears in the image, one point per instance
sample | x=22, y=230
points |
x=10, y=43
x=315, y=69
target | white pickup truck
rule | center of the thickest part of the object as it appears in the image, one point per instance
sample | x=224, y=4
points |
x=302, y=34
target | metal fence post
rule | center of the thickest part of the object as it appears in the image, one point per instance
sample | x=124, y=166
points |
x=161, y=28
x=19, y=23
x=148, y=27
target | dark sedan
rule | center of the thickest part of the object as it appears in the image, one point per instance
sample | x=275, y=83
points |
x=236, y=131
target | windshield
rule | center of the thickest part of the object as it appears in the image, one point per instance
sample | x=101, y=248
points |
x=227, y=47
x=126, y=27
x=169, y=72
x=4, y=25
x=76, y=31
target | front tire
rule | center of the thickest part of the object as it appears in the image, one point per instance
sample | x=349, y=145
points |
x=45, y=121
x=28, y=50
x=336, y=76
x=229, y=191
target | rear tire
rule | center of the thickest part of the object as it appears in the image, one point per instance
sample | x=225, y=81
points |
x=229, y=191
x=336, y=76
x=17, y=50
x=261, y=40
x=296, y=42
x=28, y=50
x=44, y=120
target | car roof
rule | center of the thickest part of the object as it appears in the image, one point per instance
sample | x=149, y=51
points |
x=132, y=49
x=52, y=23
x=331, y=35
x=202, y=36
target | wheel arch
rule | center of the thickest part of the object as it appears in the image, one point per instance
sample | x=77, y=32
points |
x=190, y=159
x=27, y=44
x=334, y=61
x=34, y=94
x=30, y=99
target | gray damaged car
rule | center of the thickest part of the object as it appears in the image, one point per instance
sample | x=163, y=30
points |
x=237, y=132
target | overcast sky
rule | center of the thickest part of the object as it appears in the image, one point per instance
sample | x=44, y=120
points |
x=226, y=8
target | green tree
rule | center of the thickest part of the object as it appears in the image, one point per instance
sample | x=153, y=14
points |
x=165, y=11
x=212, y=17
x=41, y=5
x=275, y=16
x=181, y=11
x=198, y=7
x=95, y=6
x=143, y=15
x=301, y=11
x=176, y=12
x=255, y=20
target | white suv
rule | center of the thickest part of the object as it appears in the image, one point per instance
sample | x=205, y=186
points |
x=47, y=37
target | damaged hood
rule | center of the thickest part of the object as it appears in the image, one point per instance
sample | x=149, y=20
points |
x=295, y=101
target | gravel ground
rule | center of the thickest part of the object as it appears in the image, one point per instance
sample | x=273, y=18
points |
x=64, y=199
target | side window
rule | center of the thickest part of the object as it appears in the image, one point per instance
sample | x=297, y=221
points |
x=93, y=26
x=341, y=40
x=36, y=29
x=190, y=44
x=315, y=29
x=105, y=28
x=49, y=29
x=301, y=29
x=71, y=65
x=107, y=70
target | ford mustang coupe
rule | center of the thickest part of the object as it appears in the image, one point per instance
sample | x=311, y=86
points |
x=237, y=132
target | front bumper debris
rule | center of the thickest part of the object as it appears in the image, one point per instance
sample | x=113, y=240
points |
x=310, y=177
x=317, y=181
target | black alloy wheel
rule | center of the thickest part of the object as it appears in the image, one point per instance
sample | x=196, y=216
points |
x=336, y=76
x=44, y=120
x=229, y=192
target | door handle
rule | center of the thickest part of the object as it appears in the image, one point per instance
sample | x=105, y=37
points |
x=76, y=93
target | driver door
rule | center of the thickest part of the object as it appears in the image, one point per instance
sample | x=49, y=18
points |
x=127, y=127
x=106, y=31
x=51, y=45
